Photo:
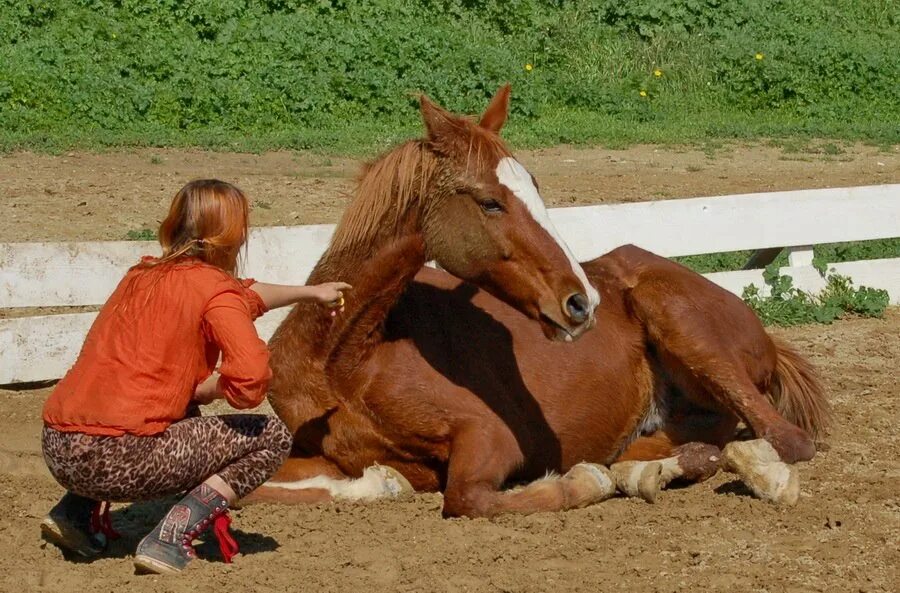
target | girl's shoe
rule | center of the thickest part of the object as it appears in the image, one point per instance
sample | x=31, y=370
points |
x=168, y=548
x=70, y=525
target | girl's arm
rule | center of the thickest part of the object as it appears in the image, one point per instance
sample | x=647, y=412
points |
x=281, y=295
x=208, y=391
x=243, y=375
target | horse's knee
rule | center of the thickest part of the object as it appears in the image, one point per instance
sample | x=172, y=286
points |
x=470, y=501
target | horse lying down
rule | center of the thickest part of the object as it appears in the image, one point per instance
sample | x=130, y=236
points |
x=491, y=376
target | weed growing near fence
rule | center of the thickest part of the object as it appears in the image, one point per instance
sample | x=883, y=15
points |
x=787, y=305
x=341, y=76
x=141, y=235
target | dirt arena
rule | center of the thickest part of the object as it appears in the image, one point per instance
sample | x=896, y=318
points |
x=843, y=536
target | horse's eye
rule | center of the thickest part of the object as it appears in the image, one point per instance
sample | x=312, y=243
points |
x=492, y=206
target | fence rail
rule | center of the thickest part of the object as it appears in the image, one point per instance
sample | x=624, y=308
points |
x=72, y=274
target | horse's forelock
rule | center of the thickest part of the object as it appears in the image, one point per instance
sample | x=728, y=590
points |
x=475, y=149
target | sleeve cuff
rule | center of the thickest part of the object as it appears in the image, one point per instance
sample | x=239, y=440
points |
x=254, y=301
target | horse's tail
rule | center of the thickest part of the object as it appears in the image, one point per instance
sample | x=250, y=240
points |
x=797, y=393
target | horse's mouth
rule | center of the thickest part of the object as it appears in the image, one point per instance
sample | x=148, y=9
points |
x=555, y=330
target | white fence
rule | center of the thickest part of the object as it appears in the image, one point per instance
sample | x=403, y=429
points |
x=69, y=274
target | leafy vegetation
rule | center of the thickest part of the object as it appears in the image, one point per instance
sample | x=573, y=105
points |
x=823, y=254
x=141, y=235
x=342, y=76
x=788, y=305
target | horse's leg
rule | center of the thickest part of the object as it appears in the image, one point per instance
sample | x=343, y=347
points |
x=480, y=461
x=687, y=451
x=318, y=479
x=295, y=469
x=690, y=447
x=712, y=380
x=716, y=364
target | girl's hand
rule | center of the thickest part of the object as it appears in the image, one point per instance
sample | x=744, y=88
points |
x=330, y=293
x=281, y=295
x=208, y=391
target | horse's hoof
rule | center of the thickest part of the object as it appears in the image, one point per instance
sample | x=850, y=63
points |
x=638, y=478
x=792, y=444
x=594, y=481
x=761, y=469
x=395, y=484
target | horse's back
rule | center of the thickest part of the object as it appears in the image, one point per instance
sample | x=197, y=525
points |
x=654, y=286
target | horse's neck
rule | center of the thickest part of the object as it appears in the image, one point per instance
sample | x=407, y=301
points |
x=379, y=272
x=378, y=283
x=355, y=263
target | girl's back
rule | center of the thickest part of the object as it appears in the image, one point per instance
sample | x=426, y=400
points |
x=150, y=346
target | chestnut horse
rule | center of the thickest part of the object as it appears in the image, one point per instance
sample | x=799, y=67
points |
x=450, y=382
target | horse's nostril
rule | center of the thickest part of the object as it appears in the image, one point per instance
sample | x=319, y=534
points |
x=577, y=308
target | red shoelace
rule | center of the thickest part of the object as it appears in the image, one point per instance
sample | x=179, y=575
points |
x=227, y=545
x=101, y=522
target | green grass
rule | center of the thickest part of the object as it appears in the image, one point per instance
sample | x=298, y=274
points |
x=141, y=235
x=823, y=254
x=706, y=130
x=787, y=305
x=341, y=78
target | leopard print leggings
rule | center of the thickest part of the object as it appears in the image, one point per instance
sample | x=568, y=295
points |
x=243, y=449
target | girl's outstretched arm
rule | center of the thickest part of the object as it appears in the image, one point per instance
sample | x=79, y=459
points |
x=281, y=295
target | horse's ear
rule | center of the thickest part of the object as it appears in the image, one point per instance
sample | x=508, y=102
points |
x=494, y=116
x=438, y=121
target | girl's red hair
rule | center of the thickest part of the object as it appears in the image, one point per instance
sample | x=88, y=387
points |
x=208, y=219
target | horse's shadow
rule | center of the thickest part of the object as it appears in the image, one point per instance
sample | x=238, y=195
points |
x=138, y=519
x=454, y=336
x=735, y=487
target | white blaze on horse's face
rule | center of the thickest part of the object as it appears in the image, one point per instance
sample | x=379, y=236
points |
x=518, y=180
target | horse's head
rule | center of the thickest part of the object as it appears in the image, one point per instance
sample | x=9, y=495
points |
x=485, y=222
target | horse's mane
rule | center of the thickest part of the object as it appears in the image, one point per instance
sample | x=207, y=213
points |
x=389, y=185
x=386, y=189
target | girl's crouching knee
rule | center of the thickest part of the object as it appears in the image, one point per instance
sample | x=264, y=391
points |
x=281, y=438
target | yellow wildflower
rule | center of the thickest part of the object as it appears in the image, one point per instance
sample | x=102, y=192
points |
x=657, y=73
x=760, y=56
x=643, y=93
x=528, y=67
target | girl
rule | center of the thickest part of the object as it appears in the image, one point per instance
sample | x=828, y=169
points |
x=116, y=426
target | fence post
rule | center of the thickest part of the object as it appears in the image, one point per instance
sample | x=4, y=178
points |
x=800, y=256
x=762, y=258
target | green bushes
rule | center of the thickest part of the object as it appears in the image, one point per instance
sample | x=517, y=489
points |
x=342, y=75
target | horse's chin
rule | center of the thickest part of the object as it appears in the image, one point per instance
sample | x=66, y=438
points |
x=555, y=331
x=558, y=332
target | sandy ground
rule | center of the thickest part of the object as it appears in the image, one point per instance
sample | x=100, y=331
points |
x=842, y=536
x=85, y=196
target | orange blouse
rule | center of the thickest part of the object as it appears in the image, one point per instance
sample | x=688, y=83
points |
x=158, y=337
